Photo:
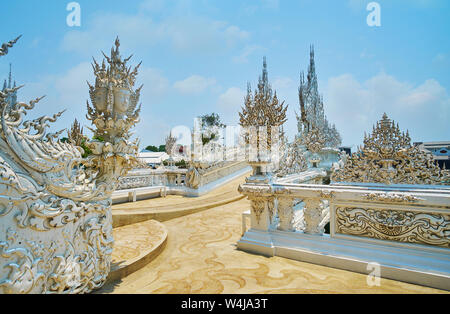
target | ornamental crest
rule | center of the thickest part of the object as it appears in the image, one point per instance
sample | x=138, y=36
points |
x=388, y=157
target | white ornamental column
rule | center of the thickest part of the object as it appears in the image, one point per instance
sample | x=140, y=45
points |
x=260, y=217
x=313, y=216
x=286, y=213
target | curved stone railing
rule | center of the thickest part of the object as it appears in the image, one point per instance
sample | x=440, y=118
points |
x=143, y=184
x=221, y=171
x=404, y=229
x=148, y=178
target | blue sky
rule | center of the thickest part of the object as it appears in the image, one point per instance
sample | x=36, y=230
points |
x=198, y=56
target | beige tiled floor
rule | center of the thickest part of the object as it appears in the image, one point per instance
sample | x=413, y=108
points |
x=201, y=257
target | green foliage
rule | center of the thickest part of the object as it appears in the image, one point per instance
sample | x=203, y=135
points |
x=207, y=139
x=180, y=164
x=210, y=122
x=99, y=138
x=87, y=150
x=152, y=148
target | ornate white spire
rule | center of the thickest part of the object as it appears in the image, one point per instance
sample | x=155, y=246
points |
x=312, y=113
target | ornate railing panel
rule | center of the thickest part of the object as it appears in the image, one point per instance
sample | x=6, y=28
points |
x=405, y=214
x=191, y=178
x=401, y=225
x=149, y=178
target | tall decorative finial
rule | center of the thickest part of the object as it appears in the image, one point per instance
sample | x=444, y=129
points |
x=10, y=76
x=265, y=76
x=312, y=76
x=312, y=107
x=264, y=79
x=263, y=108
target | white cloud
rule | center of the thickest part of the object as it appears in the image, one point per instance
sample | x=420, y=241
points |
x=194, y=84
x=271, y=4
x=102, y=32
x=246, y=53
x=229, y=104
x=155, y=83
x=281, y=83
x=354, y=107
x=181, y=32
x=152, y=5
x=69, y=90
x=201, y=34
x=66, y=91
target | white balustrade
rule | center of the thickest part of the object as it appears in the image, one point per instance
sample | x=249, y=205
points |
x=393, y=225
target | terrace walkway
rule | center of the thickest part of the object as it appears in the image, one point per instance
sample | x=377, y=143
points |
x=200, y=256
x=173, y=206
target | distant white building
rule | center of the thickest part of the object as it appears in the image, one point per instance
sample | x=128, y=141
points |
x=153, y=159
x=440, y=151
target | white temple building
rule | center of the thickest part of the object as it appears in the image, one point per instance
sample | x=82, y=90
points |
x=440, y=151
x=153, y=159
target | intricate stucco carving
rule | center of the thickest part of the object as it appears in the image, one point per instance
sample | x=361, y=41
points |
x=286, y=213
x=391, y=197
x=258, y=206
x=316, y=137
x=313, y=125
x=55, y=206
x=271, y=208
x=133, y=182
x=388, y=157
x=313, y=216
x=326, y=194
x=263, y=109
x=193, y=175
x=394, y=225
x=292, y=159
x=314, y=140
x=170, y=144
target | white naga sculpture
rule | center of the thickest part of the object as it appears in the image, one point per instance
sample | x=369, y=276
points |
x=55, y=206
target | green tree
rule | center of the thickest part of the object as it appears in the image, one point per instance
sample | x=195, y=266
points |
x=152, y=148
x=210, y=124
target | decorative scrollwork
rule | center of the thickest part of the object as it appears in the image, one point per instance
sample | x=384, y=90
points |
x=292, y=159
x=326, y=194
x=391, y=197
x=394, y=225
x=24, y=265
x=388, y=157
x=313, y=216
x=258, y=207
